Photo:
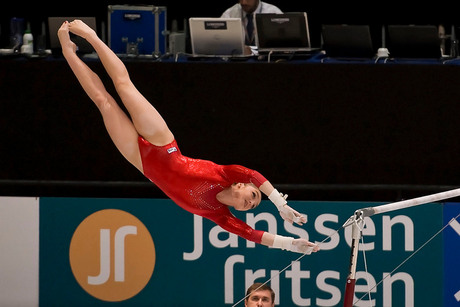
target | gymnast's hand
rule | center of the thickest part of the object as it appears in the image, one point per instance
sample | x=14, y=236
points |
x=287, y=213
x=304, y=246
x=290, y=215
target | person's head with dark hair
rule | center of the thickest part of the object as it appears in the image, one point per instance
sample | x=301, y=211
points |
x=249, y=6
x=259, y=295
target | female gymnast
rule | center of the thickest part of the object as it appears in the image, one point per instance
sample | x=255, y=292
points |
x=144, y=139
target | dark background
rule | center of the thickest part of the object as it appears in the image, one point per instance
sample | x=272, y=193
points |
x=317, y=131
x=320, y=131
x=319, y=12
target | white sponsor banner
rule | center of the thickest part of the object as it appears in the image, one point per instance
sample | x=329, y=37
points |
x=19, y=241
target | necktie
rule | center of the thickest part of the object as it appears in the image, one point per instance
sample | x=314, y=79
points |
x=249, y=30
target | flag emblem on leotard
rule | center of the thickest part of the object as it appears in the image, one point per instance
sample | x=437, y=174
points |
x=172, y=149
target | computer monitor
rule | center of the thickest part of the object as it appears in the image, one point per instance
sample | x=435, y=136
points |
x=216, y=36
x=347, y=41
x=287, y=32
x=414, y=41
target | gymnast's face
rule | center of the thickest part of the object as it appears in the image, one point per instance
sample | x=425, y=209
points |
x=246, y=196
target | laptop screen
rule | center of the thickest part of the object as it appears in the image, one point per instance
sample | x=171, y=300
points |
x=216, y=36
x=54, y=23
x=282, y=31
x=345, y=41
x=414, y=41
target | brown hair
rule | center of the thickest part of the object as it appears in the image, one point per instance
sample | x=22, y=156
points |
x=260, y=286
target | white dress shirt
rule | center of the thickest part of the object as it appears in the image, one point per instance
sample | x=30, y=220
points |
x=236, y=11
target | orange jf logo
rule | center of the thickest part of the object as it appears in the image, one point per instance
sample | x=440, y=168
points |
x=112, y=255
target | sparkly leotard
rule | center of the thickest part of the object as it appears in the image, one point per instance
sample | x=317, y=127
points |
x=193, y=184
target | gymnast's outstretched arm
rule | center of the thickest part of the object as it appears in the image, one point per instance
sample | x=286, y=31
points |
x=279, y=200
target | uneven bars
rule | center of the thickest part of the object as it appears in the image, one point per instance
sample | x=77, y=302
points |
x=369, y=211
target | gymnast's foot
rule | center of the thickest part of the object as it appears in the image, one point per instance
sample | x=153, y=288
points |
x=81, y=29
x=64, y=38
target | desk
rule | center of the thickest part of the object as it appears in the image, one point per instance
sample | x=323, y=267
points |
x=298, y=124
x=310, y=57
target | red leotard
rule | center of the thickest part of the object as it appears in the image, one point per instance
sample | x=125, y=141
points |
x=193, y=184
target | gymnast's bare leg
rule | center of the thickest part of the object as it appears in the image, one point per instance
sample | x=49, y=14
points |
x=145, y=119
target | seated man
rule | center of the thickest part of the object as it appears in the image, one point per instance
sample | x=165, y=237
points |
x=245, y=10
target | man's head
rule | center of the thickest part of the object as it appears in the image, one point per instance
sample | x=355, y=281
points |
x=259, y=295
x=249, y=6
